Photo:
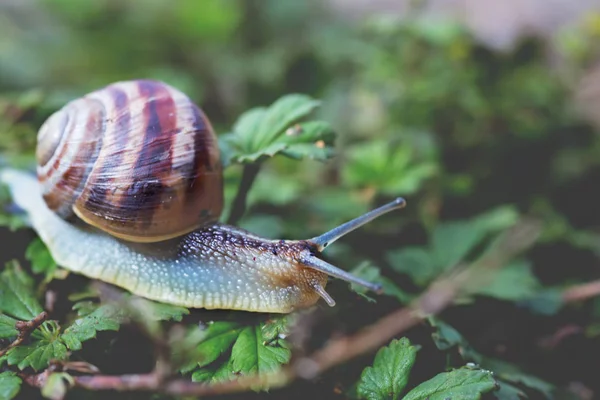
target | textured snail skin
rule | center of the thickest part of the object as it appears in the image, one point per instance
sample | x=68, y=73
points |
x=217, y=266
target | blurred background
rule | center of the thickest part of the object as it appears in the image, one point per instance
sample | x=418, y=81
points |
x=465, y=107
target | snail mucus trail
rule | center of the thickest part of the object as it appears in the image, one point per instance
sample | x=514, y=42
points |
x=176, y=260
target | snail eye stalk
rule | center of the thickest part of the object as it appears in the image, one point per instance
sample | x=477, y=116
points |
x=327, y=238
x=308, y=259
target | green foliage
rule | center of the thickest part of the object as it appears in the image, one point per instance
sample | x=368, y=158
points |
x=50, y=341
x=16, y=293
x=450, y=243
x=10, y=384
x=264, y=132
x=107, y=317
x=230, y=349
x=250, y=355
x=446, y=337
x=514, y=282
x=40, y=258
x=389, y=374
x=38, y=354
x=372, y=273
x=463, y=383
x=389, y=169
x=7, y=327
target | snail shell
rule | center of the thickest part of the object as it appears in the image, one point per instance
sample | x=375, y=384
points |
x=136, y=159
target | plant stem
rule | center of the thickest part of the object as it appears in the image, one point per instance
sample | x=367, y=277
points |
x=25, y=328
x=239, y=203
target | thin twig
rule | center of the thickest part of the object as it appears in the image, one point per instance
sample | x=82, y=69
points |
x=239, y=203
x=25, y=328
x=582, y=292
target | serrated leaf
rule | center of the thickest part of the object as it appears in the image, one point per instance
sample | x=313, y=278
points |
x=268, y=151
x=184, y=348
x=250, y=354
x=220, y=336
x=41, y=260
x=265, y=132
x=107, y=317
x=38, y=354
x=460, y=384
x=275, y=328
x=10, y=384
x=211, y=375
x=280, y=115
x=7, y=327
x=388, y=376
x=17, y=295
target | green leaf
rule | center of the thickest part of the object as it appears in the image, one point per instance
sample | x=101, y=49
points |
x=276, y=328
x=452, y=241
x=252, y=351
x=509, y=392
x=283, y=113
x=497, y=220
x=219, y=338
x=7, y=327
x=250, y=354
x=16, y=293
x=446, y=337
x=107, y=317
x=38, y=354
x=41, y=260
x=390, y=169
x=221, y=373
x=513, y=374
x=265, y=132
x=10, y=384
x=416, y=262
x=388, y=376
x=184, y=348
x=460, y=384
x=513, y=282
x=372, y=273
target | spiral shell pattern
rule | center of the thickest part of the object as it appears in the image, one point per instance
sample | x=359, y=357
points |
x=137, y=159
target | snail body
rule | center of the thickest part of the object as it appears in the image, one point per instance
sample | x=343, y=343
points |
x=132, y=197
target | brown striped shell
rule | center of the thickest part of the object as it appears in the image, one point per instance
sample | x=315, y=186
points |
x=137, y=159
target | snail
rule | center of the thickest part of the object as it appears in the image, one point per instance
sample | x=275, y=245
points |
x=129, y=191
